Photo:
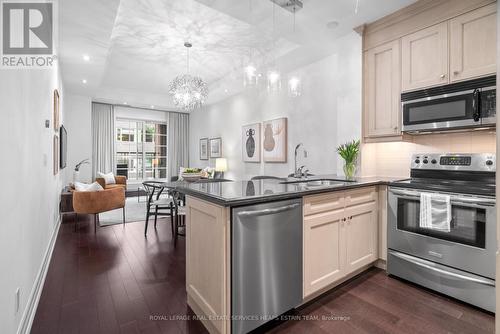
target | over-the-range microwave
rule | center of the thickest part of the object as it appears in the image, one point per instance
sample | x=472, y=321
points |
x=462, y=105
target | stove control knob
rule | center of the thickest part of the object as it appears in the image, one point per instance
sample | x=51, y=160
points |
x=434, y=161
x=489, y=162
x=417, y=161
x=425, y=161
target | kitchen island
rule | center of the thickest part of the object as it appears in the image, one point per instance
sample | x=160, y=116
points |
x=339, y=232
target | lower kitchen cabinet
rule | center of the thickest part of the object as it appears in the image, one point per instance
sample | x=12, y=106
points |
x=324, y=250
x=340, y=241
x=207, y=263
x=361, y=234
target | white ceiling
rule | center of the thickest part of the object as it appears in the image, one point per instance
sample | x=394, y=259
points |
x=136, y=47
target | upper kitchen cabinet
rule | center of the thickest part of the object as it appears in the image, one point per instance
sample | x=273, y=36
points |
x=473, y=44
x=426, y=44
x=382, y=90
x=425, y=57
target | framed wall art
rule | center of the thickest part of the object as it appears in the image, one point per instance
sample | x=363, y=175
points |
x=216, y=147
x=56, y=110
x=250, y=139
x=274, y=145
x=55, y=153
x=204, y=149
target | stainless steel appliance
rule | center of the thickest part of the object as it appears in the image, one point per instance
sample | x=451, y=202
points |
x=266, y=264
x=461, y=262
x=468, y=104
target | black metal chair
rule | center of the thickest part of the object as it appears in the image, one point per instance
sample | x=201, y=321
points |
x=157, y=204
x=178, y=216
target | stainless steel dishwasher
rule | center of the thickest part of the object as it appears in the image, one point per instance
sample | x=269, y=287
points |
x=266, y=278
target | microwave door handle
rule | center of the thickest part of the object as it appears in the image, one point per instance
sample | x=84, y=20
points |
x=476, y=105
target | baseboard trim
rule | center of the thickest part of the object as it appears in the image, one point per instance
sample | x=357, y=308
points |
x=36, y=291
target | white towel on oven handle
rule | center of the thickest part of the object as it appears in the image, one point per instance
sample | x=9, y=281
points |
x=435, y=212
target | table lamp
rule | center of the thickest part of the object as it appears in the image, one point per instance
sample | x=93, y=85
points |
x=221, y=166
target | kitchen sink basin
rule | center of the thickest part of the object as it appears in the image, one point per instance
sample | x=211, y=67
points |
x=318, y=182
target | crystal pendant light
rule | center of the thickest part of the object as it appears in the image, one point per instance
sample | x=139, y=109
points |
x=187, y=91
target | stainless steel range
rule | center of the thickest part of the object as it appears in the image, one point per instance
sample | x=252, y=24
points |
x=442, y=226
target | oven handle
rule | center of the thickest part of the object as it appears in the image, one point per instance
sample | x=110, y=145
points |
x=428, y=265
x=454, y=199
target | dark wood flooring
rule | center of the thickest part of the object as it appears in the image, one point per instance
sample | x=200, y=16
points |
x=115, y=280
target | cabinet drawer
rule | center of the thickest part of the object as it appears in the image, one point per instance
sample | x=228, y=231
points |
x=323, y=202
x=360, y=196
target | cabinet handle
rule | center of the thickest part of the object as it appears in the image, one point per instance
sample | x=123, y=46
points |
x=442, y=76
x=456, y=72
x=395, y=128
x=350, y=218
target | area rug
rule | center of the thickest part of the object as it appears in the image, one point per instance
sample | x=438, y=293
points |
x=134, y=211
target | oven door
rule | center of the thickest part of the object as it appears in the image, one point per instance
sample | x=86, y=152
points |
x=471, y=243
x=455, y=110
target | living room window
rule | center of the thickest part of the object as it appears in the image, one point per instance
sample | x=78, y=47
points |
x=141, y=149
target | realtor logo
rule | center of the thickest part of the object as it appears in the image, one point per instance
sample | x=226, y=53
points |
x=27, y=29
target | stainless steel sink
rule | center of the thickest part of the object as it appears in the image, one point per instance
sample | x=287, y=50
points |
x=318, y=182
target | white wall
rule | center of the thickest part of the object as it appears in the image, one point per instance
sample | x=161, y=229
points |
x=78, y=124
x=30, y=192
x=327, y=113
x=141, y=114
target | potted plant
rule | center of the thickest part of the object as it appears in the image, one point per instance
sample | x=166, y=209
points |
x=349, y=152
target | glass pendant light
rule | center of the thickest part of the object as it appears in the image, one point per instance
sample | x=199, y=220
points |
x=273, y=75
x=250, y=75
x=294, y=86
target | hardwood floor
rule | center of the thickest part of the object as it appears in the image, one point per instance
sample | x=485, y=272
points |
x=116, y=281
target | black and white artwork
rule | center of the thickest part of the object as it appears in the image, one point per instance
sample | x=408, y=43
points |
x=204, y=149
x=251, y=142
x=216, y=147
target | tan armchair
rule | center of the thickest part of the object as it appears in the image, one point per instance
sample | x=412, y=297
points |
x=121, y=182
x=95, y=202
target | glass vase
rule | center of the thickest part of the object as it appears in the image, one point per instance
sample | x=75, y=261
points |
x=349, y=170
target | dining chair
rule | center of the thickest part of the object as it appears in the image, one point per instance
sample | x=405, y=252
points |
x=178, y=216
x=157, y=205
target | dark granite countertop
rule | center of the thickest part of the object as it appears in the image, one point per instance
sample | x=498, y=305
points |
x=236, y=193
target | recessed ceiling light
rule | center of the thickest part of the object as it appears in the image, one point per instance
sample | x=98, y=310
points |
x=84, y=81
x=152, y=107
x=225, y=90
x=86, y=57
x=332, y=24
x=124, y=102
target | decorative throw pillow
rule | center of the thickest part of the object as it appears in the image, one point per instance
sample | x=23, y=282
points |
x=88, y=187
x=109, y=178
x=209, y=172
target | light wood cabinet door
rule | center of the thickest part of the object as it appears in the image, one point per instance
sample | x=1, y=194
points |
x=382, y=68
x=207, y=263
x=361, y=235
x=473, y=44
x=324, y=250
x=424, y=57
